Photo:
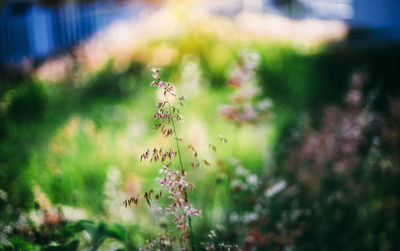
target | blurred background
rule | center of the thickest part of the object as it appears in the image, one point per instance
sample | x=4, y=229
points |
x=305, y=91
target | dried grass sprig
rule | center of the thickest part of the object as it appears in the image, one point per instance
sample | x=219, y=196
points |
x=173, y=182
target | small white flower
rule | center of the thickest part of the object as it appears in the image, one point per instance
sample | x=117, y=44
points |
x=3, y=195
x=252, y=179
x=250, y=217
x=274, y=189
x=241, y=171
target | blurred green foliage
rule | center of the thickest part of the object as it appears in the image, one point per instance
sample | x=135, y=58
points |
x=66, y=136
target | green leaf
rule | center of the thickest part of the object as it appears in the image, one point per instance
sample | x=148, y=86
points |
x=117, y=232
x=73, y=245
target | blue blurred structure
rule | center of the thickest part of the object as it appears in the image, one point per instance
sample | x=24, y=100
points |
x=33, y=31
x=29, y=30
x=379, y=17
x=379, y=20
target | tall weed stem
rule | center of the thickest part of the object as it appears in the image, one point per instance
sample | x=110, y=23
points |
x=191, y=235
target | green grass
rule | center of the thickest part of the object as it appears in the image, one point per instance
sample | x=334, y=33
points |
x=65, y=137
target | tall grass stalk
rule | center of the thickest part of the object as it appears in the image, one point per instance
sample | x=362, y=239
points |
x=191, y=235
x=173, y=182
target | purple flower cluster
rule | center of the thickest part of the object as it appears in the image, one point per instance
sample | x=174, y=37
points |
x=243, y=108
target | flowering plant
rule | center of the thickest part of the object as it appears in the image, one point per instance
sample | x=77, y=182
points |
x=172, y=180
x=244, y=108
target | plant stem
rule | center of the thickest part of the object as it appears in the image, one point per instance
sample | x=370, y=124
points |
x=191, y=235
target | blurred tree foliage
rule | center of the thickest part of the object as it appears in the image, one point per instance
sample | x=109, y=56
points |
x=337, y=152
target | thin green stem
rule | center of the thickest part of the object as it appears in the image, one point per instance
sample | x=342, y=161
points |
x=191, y=235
